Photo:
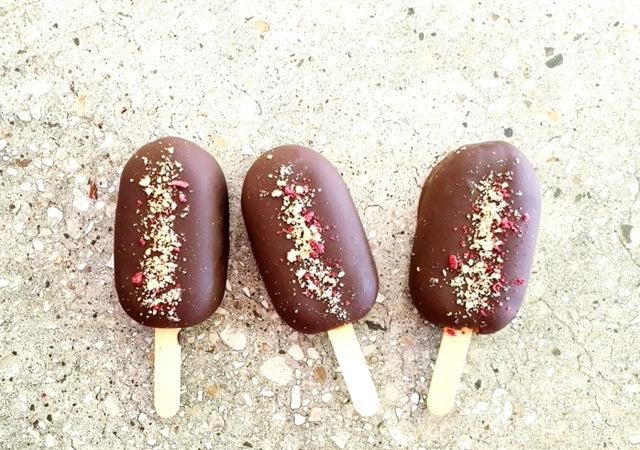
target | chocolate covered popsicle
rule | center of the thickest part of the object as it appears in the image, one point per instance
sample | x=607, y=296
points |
x=313, y=254
x=477, y=224
x=171, y=247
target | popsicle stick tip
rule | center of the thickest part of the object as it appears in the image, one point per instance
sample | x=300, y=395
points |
x=354, y=370
x=448, y=369
x=166, y=372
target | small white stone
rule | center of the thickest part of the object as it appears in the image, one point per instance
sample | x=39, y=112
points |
x=399, y=413
x=46, y=307
x=634, y=439
x=499, y=393
x=50, y=441
x=81, y=203
x=369, y=350
x=266, y=393
x=296, y=399
x=3, y=144
x=47, y=162
x=151, y=442
x=233, y=338
x=3, y=283
x=415, y=398
x=24, y=116
x=247, y=399
x=530, y=419
x=298, y=419
x=164, y=432
x=326, y=398
x=380, y=298
x=40, y=185
x=276, y=370
x=313, y=353
x=108, y=141
x=55, y=213
x=12, y=171
x=110, y=406
x=38, y=245
x=25, y=187
x=296, y=352
x=340, y=439
x=142, y=418
x=632, y=388
x=228, y=286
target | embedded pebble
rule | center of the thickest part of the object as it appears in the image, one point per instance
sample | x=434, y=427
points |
x=38, y=245
x=299, y=419
x=340, y=439
x=24, y=116
x=50, y=441
x=296, y=399
x=316, y=414
x=233, y=338
x=247, y=399
x=634, y=439
x=296, y=352
x=276, y=370
x=54, y=213
x=313, y=353
x=326, y=398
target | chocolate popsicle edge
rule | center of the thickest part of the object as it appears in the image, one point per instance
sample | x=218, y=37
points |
x=171, y=234
x=302, y=196
x=459, y=276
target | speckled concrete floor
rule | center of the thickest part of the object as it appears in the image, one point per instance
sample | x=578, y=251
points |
x=382, y=89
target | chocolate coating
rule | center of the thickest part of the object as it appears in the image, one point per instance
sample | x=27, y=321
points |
x=473, y=248
x=171, y=243
x=308, y=240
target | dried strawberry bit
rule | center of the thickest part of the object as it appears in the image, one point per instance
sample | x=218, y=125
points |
x=450, y=331
x=137, y=278
x=142, y=242
x=138, y=203
x=453, y=262
x=182, y=198
x=518, y=281
x=180, y=184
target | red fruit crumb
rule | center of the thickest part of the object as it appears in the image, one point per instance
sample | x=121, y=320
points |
x=317, y=247
x=518, y=281
x=142, y=241
x=308, y=216
x=138, y=202
x=179, y=184
x=182, y=198
x=450, y=332
x=453, y=262
x=525, y=217
x=137, y=278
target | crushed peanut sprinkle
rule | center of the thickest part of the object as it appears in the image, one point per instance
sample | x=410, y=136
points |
x=165, y=198
x=318, y=276
x=476, y=272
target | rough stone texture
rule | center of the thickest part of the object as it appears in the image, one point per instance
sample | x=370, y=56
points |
x=382, y=89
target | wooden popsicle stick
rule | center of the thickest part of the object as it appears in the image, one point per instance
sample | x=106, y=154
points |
x=166, y=372
x=446, y=374
x=354, y=370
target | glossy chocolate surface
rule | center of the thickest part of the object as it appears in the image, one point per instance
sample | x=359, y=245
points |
x=473, y=248
x=171, y=243
x=308, y=240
